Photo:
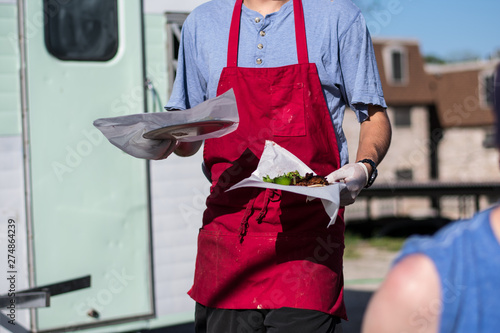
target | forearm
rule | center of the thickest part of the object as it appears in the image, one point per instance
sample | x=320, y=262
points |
x=186, y=149
x=374, y=136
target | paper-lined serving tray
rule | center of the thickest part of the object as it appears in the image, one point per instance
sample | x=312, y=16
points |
x=276, y=161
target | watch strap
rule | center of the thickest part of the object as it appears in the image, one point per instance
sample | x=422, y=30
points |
x=374, y=174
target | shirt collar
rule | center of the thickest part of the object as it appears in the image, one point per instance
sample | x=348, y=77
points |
x=285, y=9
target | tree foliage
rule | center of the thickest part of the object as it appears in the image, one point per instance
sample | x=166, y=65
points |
x=433, y=59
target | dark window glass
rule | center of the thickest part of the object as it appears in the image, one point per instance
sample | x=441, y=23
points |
x=176, y=45
x=404, y=174
x=174, y=27
x=489, y=139
x=489, y=90
x=402, y=116
x=81, y=29
x=397, y=66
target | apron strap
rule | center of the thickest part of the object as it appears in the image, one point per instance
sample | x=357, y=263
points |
x=234, y=36
x=300, y=34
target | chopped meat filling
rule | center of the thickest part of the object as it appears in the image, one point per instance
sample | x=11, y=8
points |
x=311, y=180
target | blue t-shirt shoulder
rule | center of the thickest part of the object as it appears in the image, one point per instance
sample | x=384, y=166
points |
x=466, y=255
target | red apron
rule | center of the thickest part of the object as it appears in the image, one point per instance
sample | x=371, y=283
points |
x=263, y=248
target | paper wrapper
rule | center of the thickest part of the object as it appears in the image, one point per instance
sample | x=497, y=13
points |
x=276, y=161
x=126, y=132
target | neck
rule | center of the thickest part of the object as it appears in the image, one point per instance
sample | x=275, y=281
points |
x=264, y=7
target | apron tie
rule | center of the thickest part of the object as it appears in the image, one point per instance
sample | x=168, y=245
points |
x=248, y=213
x=263, y=211
x=271, y=196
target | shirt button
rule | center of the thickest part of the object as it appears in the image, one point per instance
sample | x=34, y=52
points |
x=257, y=19
x=262, y=33
x=260, y=46
x=258, y=61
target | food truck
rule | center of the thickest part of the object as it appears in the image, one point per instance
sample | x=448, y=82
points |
x=93, y=239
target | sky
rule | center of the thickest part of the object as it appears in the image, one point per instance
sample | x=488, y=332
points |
x=445, y=28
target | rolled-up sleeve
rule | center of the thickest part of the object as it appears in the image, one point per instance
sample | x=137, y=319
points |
x=361, y=80
x=189, y=86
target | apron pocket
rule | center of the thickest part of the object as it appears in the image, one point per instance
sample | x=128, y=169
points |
x=287, y=110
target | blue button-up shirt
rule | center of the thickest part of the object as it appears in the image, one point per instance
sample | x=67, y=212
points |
x=337, y=39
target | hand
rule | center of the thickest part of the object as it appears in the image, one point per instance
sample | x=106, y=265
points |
x=150, y=149
x=167, y=147
x=355, y=176
x=186, y=149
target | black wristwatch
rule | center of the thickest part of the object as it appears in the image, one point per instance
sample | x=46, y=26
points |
x=372, y=178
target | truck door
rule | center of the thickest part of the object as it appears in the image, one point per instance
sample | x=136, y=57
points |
x=88, y=203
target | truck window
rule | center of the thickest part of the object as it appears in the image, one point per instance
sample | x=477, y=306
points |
x=81, y=30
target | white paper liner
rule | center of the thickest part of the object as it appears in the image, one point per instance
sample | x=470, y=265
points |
x=276, y=161
x=126, y=132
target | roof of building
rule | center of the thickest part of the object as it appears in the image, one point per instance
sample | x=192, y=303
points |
x=419, y=86
x=461, y=98
x=458, y=91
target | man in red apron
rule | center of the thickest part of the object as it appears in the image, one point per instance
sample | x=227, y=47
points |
x=266, y=260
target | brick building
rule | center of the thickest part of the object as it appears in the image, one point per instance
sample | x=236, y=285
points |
x=442, y=128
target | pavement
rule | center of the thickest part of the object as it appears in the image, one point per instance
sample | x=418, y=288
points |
x=362, y=276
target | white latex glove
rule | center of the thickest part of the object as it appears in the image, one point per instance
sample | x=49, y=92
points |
x=140, y=147
x=355, y=176
x=166, y=147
